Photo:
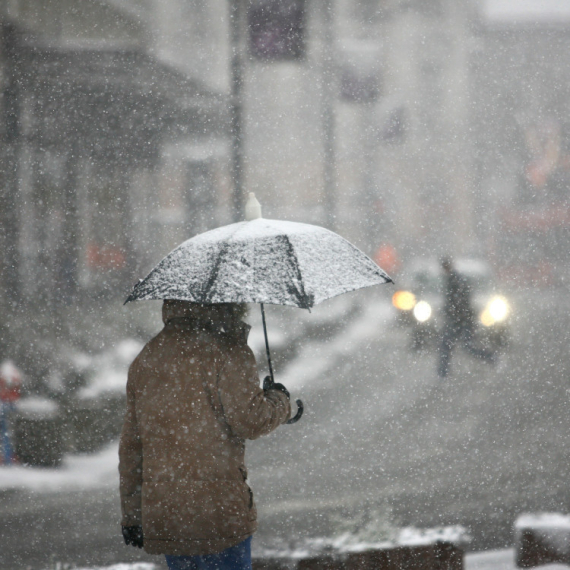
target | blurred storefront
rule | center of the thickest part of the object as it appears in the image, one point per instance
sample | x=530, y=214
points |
x=85, y=182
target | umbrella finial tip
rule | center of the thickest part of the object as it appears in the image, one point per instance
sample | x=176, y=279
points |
x=252, y=208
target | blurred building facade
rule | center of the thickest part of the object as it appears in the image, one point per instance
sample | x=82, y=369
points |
x=443, y=112
x=378, y=100
x=108, y=152
x=425, y=127
x=522, y=91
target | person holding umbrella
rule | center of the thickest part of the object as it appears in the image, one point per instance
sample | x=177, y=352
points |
x=193, y=399
x=193, y=394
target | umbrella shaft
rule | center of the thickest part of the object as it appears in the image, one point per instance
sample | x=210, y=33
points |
x=267, y=343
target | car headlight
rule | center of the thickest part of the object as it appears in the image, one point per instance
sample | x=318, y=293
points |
x=404, y=300
x=422, y=311
x=496, y=311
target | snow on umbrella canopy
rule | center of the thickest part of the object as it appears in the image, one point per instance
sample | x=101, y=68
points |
x=261, y=261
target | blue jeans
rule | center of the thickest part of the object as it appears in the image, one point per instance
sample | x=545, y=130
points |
x=6, y=449
x=236, y=557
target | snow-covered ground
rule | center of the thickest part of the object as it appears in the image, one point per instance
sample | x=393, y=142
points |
x=82, y=471
x=100, y=469
x=316, y=358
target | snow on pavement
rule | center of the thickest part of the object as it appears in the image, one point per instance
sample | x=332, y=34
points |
x=80, y=471
x=492, y=560
x=316, y=358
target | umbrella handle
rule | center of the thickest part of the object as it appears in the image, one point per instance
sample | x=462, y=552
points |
x=299, y=413
x=300, y=406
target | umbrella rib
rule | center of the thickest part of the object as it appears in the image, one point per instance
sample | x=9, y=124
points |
x=142, y=283
x=207, y=290
x=305, y=301
x=377, y=269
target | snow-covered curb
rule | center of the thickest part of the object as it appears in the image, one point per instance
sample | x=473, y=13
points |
x=35, y=407
x=107, y=372
x=348, y=543
x=543, y=521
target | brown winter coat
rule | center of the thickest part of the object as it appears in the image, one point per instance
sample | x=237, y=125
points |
x=193, y=398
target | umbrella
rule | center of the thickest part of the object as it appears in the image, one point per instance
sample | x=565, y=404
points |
x=261, y=261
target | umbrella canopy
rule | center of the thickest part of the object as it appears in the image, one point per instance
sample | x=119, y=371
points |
x=261, y=261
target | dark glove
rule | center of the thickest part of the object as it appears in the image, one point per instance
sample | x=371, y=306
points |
x=133, y=535
x=268, y=384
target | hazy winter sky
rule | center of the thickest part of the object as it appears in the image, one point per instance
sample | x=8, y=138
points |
x=527, y=10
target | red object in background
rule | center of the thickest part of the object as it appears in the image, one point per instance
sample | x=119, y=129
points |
x=10, y=382
x=387, y=258
x=542, y=218
x=104, y=257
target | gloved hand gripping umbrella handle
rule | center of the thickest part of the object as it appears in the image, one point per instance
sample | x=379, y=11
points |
x=299, y=403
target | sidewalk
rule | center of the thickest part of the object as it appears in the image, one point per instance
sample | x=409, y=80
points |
x=493, y=560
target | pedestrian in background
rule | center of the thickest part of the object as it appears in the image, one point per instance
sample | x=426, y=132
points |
x=10, y=384
x=193, y=398
x=458, y=319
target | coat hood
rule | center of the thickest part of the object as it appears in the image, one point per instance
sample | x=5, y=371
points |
x=215, y=317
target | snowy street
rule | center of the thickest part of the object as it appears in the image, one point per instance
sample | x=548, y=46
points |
x=379, y=438
x=478, y=450
x=386, y=184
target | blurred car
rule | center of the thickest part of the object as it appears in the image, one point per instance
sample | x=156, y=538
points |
x=419, y=303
